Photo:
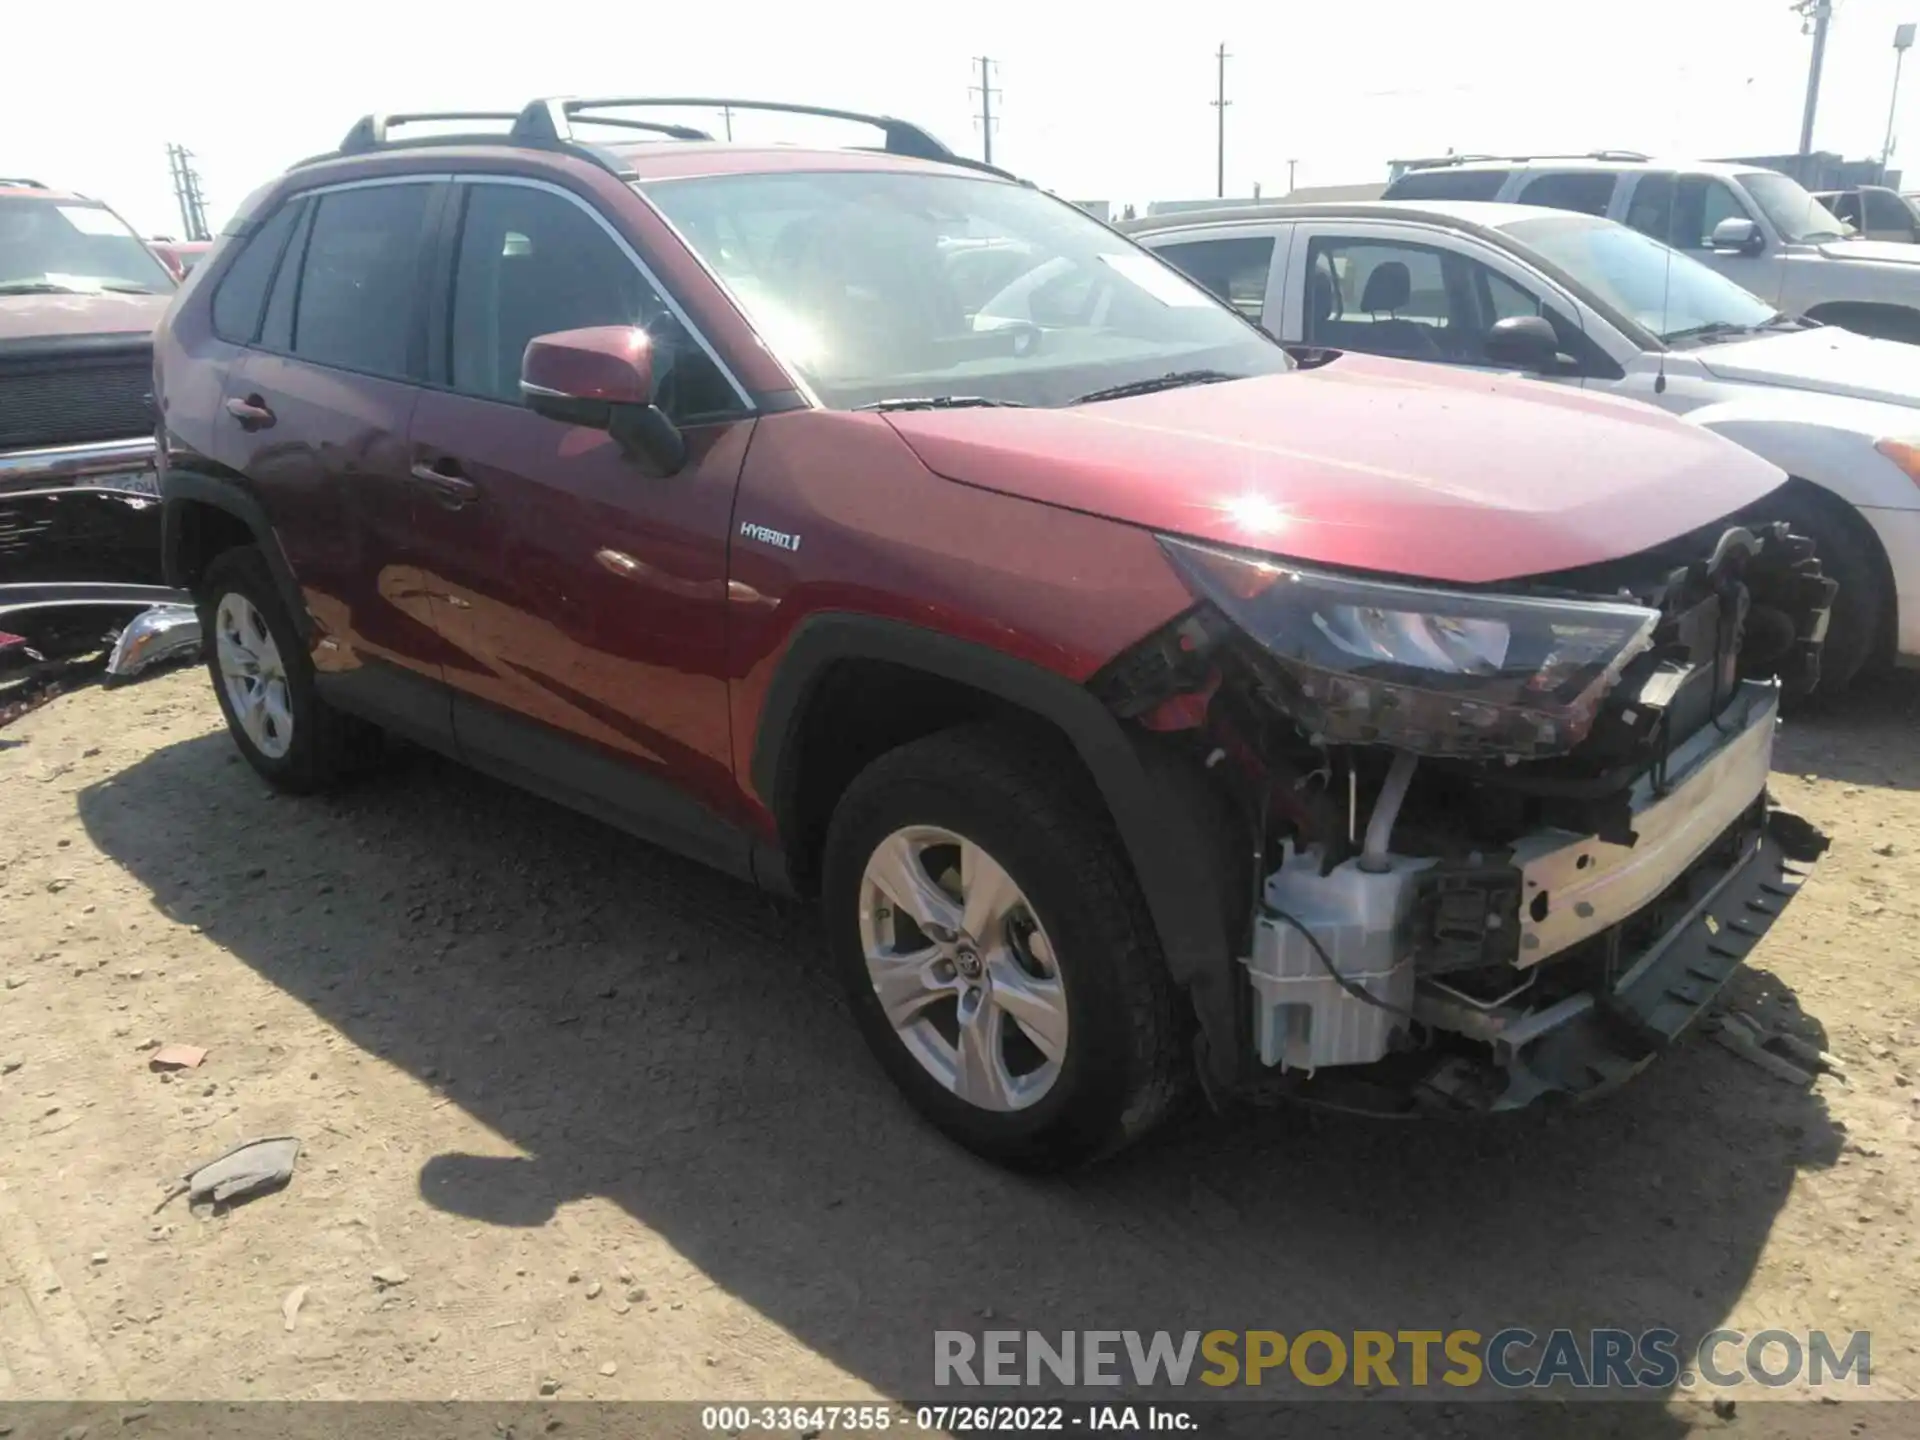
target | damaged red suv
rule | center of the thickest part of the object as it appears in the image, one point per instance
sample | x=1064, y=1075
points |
x=1144, y=705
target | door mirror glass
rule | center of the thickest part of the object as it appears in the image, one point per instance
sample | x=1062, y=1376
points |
x=602, y=377
x=1737, y=235
x=1526, y=342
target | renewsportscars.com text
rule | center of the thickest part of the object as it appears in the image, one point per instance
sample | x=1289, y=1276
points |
x=1514, y=1358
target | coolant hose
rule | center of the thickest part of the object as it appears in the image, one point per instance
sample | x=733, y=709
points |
x=1386, y=810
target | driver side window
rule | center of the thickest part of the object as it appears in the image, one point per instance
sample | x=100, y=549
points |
x=1380, y=296
x=530, y=263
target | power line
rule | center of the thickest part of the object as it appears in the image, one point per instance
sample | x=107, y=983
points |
x=986, y=91
x=186, y=191
x=1220, y=104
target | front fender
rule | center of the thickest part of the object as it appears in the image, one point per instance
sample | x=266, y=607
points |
x=1826, y=440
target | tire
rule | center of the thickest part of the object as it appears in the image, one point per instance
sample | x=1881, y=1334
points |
x=294, y=740
x=1121, y=1063
x=1856, y=627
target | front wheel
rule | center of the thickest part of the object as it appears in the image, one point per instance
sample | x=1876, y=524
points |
x=991, y=936
x=1857, y=624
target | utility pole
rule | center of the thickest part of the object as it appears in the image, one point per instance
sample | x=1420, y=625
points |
x=1220, y=104
x=186, y=191
x=1902, y=42
x=1814, y=13
x=985, y=117
x=726, y=114
x=1290, y=165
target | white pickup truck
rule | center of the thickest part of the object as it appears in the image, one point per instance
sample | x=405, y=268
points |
x=1582, y=301
x=1759, y=228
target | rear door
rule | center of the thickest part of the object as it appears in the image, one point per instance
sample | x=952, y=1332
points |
x=580, y=592
x=1242, y=264
x=319, y=411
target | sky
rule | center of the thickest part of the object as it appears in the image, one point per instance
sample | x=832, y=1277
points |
x=1097, y=102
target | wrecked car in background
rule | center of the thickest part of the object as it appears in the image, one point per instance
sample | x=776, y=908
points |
x=1129, y=694
x=80, y=293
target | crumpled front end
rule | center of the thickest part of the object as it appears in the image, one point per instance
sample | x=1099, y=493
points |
x=1501, y=843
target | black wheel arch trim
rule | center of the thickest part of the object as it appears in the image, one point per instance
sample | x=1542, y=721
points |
x=183, y=488
x=1180, y=892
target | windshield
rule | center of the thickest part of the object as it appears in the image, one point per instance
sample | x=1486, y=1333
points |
x=1669, y=293
x=1794, y=212
x=880, y=285
x=69, y=245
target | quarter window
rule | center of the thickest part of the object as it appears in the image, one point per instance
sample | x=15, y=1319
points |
x=243, y=289
x=360, y=278
x=532, y=262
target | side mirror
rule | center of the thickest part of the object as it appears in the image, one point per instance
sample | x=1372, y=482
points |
x=602, y=377
x=1737, y=235
x=1526, y=342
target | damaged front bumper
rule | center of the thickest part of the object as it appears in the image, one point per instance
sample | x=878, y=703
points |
x=1621, y=947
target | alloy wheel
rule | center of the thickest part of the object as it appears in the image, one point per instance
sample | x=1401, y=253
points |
x=254, y=674
x=962, y=968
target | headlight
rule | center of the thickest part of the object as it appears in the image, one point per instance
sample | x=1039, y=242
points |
x=1439, y=672
x=1904, y=453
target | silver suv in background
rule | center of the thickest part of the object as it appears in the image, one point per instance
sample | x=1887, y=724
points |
x=1759, y=228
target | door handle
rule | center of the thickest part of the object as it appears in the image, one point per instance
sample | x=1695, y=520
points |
x=252, y=412
x=449, y=487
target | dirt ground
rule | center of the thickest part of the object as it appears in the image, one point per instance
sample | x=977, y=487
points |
x=600, y=1121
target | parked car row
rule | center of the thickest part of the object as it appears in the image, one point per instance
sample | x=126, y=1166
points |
x=1586, y=303
x=1147, y=703
x=1759, y=228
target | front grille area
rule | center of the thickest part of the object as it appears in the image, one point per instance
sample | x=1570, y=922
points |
x=67, y=400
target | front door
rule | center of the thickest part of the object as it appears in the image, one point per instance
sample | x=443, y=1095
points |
x=582, y=592
x=1419, y=295
x=319, y=411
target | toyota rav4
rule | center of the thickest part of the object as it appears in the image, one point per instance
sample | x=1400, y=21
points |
x=1143, y=704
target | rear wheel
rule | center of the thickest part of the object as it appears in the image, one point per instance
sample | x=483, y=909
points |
x=990, y=934
x=263, y=680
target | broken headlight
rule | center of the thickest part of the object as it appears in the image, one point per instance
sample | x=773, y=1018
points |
x=1438, y=672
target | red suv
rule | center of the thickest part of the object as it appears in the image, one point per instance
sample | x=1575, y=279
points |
x=1142, y=703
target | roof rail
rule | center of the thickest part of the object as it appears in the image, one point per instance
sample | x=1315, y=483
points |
x=20, y=183
x=554, y=119
x=1440, y=162
x=369, y=132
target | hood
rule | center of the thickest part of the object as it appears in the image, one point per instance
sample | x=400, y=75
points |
x=1366, y=464
x=1886, y=252
x=1827, y=359
x=31, y=317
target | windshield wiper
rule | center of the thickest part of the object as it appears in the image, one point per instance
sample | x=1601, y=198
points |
x=130, y=290
x=1712, y=330
x=942, y=402
x=1173, y=380
x=1783, y=321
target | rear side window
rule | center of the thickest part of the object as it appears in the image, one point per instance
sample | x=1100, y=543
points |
x=1234, y=269
x=1886, y=212
x=1447, y=185
x=243, y=289
x=1588, y=191
x=359, y=280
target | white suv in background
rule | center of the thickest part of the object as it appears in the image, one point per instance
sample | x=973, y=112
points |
x=1759, y=228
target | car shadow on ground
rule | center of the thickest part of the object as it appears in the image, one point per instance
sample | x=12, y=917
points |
x=653, y=1033
x=1868, y=736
